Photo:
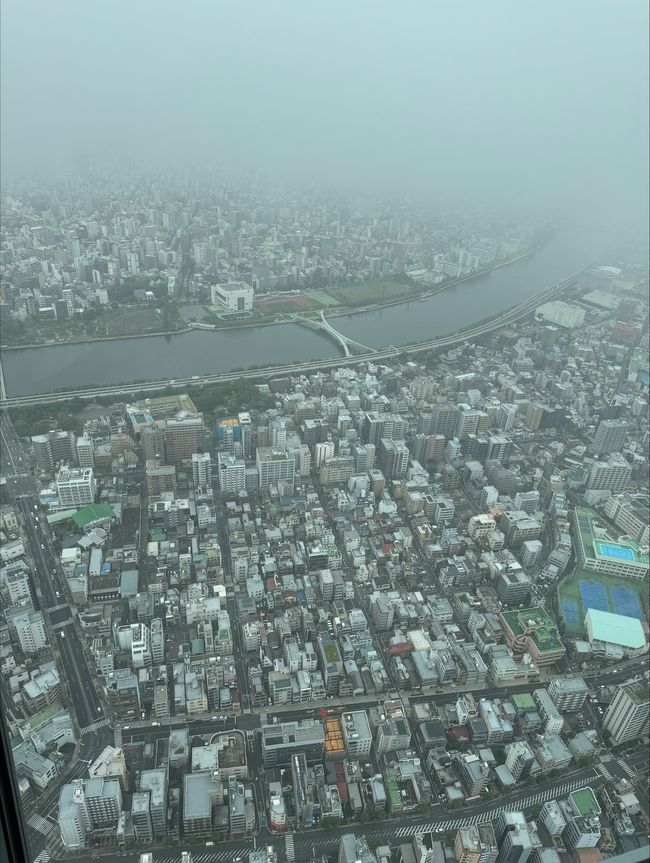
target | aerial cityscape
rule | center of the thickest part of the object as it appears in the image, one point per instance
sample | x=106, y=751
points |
x=324, y=491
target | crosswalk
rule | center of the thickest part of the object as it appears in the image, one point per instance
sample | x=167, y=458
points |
x=472, y=820
x=99, y=723
x=58, y=607
x=57, y=626
x=43, y=857
x=209, y=857
x=288, y=841
x=604, y=772
x=42, y=825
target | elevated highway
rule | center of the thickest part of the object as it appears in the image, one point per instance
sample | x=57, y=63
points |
x=131, y=390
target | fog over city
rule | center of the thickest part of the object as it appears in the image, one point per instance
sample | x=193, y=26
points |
x=537, y=105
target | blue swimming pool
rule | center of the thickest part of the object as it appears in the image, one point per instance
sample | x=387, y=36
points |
x=618, y=551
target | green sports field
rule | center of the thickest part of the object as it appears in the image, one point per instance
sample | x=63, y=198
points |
x=368, y=293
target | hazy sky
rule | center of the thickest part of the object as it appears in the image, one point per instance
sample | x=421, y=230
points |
x=531, y=102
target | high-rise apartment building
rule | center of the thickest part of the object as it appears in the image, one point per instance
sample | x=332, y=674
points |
x=373, y=427
x=393, y=457
x=275, y=466
x=201, y=470
x=140, y=646
x=159, y=477
x=185, y=435
x=499, y=448
x=356, y=733
x=610, y=475
x=512, y=837
x=30, y=628
x=157, y=639
x=53, y=448
x=467, y=423
x=141, y=816
x=445, y=420
x=506, y=416
x=246, y=432
x=627, y=715
x=519, y=759
x=85, y=452
x=231, y=473
x=73, y=818
x=155, y=782
x=18, y=586
x=568, y=693
x=322, y=452
x=610, y=436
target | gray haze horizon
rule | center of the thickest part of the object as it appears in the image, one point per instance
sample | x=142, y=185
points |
x=538, y=106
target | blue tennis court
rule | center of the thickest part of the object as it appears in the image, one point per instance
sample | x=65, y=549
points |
x=593, y=595
x=570, y=611
x=619, y=551
x=626, y=601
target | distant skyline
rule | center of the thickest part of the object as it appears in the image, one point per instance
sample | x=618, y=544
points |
x=538, y=106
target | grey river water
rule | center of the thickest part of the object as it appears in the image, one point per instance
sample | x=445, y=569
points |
x=38, y=370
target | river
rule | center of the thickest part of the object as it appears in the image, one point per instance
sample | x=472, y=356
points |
x=30, y=371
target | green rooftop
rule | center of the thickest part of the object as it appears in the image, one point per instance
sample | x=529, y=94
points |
x=585, y=801
x=94, y=512
x=45, y=715
x=523, y=701
x=539, y=625
x=393, y=792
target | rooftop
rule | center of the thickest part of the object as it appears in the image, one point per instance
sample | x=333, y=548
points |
x=615, y=628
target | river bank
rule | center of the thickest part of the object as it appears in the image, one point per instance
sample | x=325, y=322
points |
x=243, y=325
x=180, y=356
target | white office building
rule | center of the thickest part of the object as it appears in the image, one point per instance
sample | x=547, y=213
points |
x=235, y=296
x=76, y=487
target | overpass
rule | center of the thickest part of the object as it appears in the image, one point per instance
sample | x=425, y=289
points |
x=500, y=320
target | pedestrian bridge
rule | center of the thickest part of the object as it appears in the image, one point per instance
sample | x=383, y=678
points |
x=344, y=341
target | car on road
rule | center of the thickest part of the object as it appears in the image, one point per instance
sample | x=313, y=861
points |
x=57, y=594
x=62, y=634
